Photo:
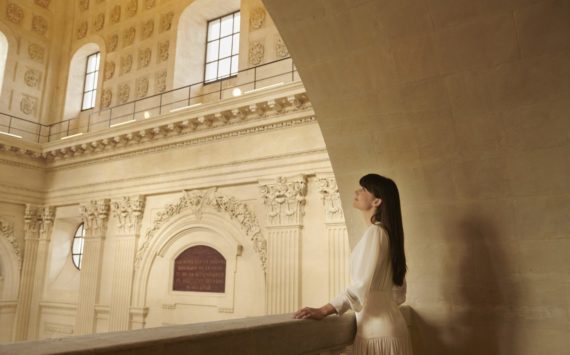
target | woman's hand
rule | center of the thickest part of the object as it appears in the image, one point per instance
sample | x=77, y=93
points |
x=315, y=313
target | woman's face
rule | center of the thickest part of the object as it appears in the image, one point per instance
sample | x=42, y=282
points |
x=364, y=200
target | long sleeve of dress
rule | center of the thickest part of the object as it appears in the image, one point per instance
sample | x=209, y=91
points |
x=363, y=262
x=399, y=293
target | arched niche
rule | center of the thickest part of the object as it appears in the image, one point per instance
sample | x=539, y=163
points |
x=10, y=262
x=191, y=38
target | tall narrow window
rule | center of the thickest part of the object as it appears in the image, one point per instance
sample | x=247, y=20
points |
x=90, y=85
x=77, y=246
x=222, y=47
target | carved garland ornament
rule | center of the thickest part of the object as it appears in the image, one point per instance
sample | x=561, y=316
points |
x=112, y=42
x=281, y=49
x=285, y=200
x=144, y=56
x=129, y=36
x=196, y=201
x=99, y=22
x=95, y=215
x=257, y=18
x=82, y=30
x=256, y=51
x=166, y=21
x=7, y=232
x=124, y=93
x=106, y=98
x=14, y=13
x=330, y=196
x=109, y=70
x=83, y=5
x=147, y=29
x=160, y=81
x=115, y=16
x=28, y=105
x=163, y=51
x=39, y=25
x=132, y=7
x=141, y=87
x=36, y=52
x=126, y=64
x=32, y=78
x=128, y=212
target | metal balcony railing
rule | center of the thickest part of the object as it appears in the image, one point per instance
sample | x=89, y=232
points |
x=265, y=75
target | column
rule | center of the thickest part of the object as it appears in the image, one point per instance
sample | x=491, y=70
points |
x=337, y=236
x=127, y=213
x=95, y=215
x=284, y=201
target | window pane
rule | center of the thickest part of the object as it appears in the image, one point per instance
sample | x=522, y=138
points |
x=213, y=30
x=211, y=71
x=93, y=97
x=225, y=47
x=91, y=63
x=227, y=26
x=80, y=260
x=235, y=44
x=212, y=51
x=234, y=64
x=89, y=81
x=76, y=246
x=87, y=100
x=76, y=260
x=224, y=68
x=236, y=22
x=81, y=230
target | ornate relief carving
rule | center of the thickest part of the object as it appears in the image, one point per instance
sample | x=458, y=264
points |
x=128, y=211
x=196, y=202
x=281, y=50
x=109, y=70
x=14, y=13
x=106, y=98
x=129, y=36
x=95, y=215
x=39, y=25
x=38, y=219
x=28, y=105
x=331, y=198
x=256, y=18
x=160, y=81
x=36, y=52
x=132, y=7
x=147, y=29
x=32, y=78
x=99, y=22
x=149, y=4
x=83, y=5
x=112, y=42
x=285, y=200
x=7, y=232
x=144, y=57
x=42, y=3
x=141, y=87
x=81, y=30
x=163, y=51
x=166, y=21
x=126, y=64
x=124, y=93
x=115, y=16
x=256, y=51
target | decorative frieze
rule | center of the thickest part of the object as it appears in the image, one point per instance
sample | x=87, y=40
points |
x=95, y=215
x=128, y=212
x=256, y=51
x=112, y=42
x=109, y=70
x=147, y=29
x=39, y=25
x=7, y=232
x=331, y=199
x=28, y=105
x=285, y=200
x=141, y=87
x=256, y=18
x=166, y=21
x=163, y=51
x=32, y=78
x=81, y=31
x=99, y=22
x=129, y=36
x=144, y=56
x=124, y=93
x=36, y=52
x=126, y=64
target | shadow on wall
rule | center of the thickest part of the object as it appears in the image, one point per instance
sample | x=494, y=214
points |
x=479, y=297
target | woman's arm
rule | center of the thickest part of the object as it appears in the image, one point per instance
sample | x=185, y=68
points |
x=315, y=313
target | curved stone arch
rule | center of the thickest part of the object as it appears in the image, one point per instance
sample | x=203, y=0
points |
x=10, y=261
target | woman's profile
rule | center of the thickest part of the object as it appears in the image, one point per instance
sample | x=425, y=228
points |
x=377, y=271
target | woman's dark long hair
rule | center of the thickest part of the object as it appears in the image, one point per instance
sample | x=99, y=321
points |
x=389, y=215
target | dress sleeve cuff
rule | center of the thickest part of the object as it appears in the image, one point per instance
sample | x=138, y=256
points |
x=340, y=304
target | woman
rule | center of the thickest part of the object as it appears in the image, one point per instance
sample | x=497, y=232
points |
x=378, y=270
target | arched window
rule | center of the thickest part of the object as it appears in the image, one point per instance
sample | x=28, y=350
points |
x=78, y=80
x=3, y=57
x=77, y=246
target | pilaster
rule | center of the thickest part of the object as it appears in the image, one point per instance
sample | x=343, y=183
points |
x=284, y=200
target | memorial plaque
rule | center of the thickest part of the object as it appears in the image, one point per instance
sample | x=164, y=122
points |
x=200, y=269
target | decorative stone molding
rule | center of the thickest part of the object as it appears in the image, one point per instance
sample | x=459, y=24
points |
x=106, y=98
x=197, y=201
x=39, y=25
x=129, y=36
x=58, y=329
x=109, y=70
x=149, y=4
x=126, y=64
x=132, y=7
x=281, y=50
x=331, y=199
x=14, y=13
x=31, y=219
x=160, y=81
x=47, y=217
x=95, y=215
x=124, y=93
x=285, y=200
x=147, y=29
x=99, y=22
x=28, y=105
x=256, y=51
x=36, y=52
x=42, y=3
x=144, y=56
x=141, y=87
x=32, y=78
x=128, y=211
x=256, y=18
x=83, y=5
x=81, y=30
x=166, y=21
x=7, y=232
x=163, y=51
x=115, y=15
x=112, y=42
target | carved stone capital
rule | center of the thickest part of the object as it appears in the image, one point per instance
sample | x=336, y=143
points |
x=128, y=211
x=47, y=215
x=331, y=199
x=31, y=221
x=95, y=215
x=285, y=200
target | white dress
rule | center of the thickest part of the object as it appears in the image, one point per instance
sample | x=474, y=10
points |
x=381, y=328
